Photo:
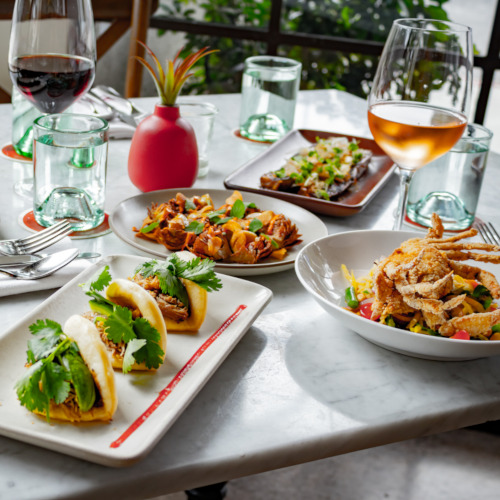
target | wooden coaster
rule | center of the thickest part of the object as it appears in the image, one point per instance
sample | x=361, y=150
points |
x=10, y=153
x=27, y=220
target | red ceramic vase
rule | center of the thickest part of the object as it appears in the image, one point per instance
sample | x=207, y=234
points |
x=163, y=153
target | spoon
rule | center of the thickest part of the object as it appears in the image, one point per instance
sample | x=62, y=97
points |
x=43, y=267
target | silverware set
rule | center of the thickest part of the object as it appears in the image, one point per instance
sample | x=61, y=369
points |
x=36, y=242
x=19, y=257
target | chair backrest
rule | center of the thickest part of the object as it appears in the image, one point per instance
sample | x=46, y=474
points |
x=122, y=15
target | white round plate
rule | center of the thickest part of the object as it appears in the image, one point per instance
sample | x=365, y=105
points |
x=318, y=269
x=132, y=211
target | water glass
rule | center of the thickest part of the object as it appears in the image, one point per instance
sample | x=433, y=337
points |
x=450, y=185
x=201, y=117
x=70, y=159
x=269, y=95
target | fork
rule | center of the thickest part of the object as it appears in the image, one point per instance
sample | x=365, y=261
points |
x=487, y=232
x=36, y=242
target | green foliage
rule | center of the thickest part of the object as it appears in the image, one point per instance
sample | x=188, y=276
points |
x=356, y=19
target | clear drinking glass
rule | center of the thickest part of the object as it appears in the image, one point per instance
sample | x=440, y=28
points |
x=420, y=97
x=201, y=116
x=52, y=51
x=70, y=159
x=450, y=185
x=269, y=96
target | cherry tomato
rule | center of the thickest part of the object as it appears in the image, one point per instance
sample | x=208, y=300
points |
x=365, y=310
x=461, y=335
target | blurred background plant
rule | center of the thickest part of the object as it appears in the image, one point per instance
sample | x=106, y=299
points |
x=322, y=69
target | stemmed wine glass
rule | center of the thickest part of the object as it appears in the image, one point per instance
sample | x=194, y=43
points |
x=52, y=51
x=420, y=98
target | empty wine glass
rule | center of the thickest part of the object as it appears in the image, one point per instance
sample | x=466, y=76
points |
x=420, y=98
x=52, y=51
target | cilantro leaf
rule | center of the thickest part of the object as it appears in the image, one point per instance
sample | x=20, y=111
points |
x=97, y=284
x=118, y=325
x=46, y=335
x=166, y=272
x=238, y=209
x=151, y=354
x=55, y=383
x=201, y=271
x=128, y=358
x=101, y=281
x=28, y=389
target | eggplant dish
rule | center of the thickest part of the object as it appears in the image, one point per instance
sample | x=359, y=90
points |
x=324, y=170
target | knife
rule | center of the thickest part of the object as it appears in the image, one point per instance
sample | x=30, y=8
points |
x=125, y=110
x=16, y=260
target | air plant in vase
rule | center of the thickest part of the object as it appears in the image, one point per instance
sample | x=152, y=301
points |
x=163, y=153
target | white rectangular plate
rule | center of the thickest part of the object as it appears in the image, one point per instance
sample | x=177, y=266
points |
x=148, y=403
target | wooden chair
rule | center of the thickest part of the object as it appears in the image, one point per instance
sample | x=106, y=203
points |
x=122, y=15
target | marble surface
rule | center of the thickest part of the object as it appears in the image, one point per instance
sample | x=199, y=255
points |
x=299, y=386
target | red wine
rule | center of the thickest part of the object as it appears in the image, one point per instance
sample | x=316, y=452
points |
x=52, y=82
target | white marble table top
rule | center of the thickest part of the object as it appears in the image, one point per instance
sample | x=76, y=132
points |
x=299, y=386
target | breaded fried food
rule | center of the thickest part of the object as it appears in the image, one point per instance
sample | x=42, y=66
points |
x=426, y=276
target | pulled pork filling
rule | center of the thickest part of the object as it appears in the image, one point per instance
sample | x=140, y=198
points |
x=171, y=307
x=118, y=350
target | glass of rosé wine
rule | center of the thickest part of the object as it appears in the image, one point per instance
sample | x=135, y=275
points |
x=52, y=51
x=420, y=97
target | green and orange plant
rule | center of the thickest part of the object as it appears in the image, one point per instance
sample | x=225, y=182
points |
x=169, y=80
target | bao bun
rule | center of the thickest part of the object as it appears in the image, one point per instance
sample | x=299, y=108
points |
x=94, y=354
x=126, y=293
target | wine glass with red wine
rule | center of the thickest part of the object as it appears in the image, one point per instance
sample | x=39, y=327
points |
x=52, y=51
x=420, y=97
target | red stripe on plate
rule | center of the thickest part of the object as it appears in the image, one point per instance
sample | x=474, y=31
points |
x=164, y=393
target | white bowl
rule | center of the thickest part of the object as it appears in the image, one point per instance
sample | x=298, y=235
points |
x=318, y=269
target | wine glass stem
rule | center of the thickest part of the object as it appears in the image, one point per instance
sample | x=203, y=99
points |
x=404, y=183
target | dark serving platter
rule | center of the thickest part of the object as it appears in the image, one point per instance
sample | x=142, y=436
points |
x=355, y=199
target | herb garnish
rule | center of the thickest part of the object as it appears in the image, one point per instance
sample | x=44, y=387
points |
x=168, y=272
x=238, y=209
x=149, y=227
x=121, y=327
x=195, y=227
x=56, y=368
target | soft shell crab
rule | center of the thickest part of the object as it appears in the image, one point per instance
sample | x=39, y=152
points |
x=425, y=287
